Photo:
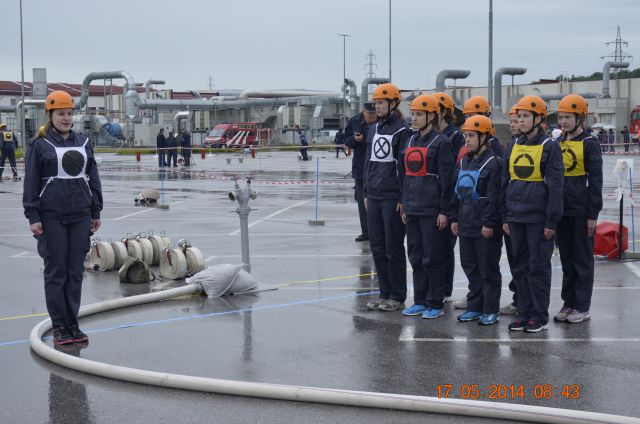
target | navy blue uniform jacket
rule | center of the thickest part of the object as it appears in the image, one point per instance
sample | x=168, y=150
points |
x=583, y=194
x=431, y=194
x=531, y=202
x=357, y=124
x=472, y=215
x=381, y=180
x=67, y=199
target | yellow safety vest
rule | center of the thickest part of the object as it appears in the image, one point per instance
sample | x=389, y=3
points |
x=7, y=136
x=524, y=162
x=573, y=158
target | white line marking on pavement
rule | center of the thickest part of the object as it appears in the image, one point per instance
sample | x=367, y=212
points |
x=210, y=258
x=633, y=268
x=233, y=233
x=520, y=340
x=19, y=255
x=141, y=212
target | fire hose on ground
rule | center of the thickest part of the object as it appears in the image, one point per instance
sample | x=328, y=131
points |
x=499, y=410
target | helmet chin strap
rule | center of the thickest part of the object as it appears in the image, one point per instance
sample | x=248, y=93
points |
x=579, y=122
x=534, y=127
x=480, y=143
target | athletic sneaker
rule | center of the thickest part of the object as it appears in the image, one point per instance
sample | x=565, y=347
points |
x=391, y=305
x=460, y=304
x=535, y=327
x=448, y=299
x=432, y=313
x=375, y=304
x=517, y=325
x=77, y=334
x=576, y=316
x=362, y=237
x=469, y=316
x=562, y=315
x=61, y=336
x=489, y=319
x=416, y=309
x=509, y=309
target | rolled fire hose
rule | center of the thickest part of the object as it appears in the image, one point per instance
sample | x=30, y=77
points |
x=120, y=253
x=133, y=248
x=146, y=248
x=103, y=256
x=158, y=244
x=195, y=260
x=173, y=264
x=475, y=408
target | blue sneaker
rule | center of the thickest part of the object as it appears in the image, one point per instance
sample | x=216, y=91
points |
x=489, y=319
x=470, y=316
x=432, y=313
x=416, y=309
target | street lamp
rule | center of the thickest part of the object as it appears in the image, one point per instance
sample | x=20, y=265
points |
x=22, y=129
x=344, y=77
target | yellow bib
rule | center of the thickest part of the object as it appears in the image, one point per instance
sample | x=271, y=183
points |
x=524, y=163
x=7, y=136
x=573, y=158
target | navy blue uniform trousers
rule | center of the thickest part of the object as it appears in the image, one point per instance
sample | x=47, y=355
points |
x=63, y=246
x=532, y=270
x=427, y=247
x=576, y=256
x=449, y=262
x=480, y=260
x=386, y=237
x=512, y=284
x=8, y=151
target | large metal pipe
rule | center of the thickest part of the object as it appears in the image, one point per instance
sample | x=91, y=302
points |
x=220, y=104
x=497, y=83
x=353, y=94
x=149, y=83
x=605, y=75
x=180, y=116
x=130, y=96
x=365, y=88
x=268, y=94
x=16, y=109
x=450, y=73
x=547, y=97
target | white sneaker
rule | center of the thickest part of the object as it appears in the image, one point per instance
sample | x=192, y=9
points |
x=460, y=304
x=509, y=309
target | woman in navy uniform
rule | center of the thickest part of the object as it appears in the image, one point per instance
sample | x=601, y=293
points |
x=532, y=180
x=9, y=146
x=450, y=132
x=475, y=219
x=382, y=199
x=425, y=168
x=62, y=200
x=511, y=308
x=582, y=204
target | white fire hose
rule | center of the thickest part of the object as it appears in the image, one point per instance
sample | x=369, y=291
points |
x=499, y=410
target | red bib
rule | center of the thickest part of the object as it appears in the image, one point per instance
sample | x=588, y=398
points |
x=415, y=161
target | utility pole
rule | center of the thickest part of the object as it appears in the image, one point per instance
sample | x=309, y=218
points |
x=389, y=40
x=210, y=83
x=22, y=127
x=490, y=80
x=344, y=77
x=370, y=65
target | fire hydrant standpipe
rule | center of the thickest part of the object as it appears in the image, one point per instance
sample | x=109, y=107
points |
x=242, y=196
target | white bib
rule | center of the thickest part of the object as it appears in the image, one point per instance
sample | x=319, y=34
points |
x=72, y=164
x=382, y=147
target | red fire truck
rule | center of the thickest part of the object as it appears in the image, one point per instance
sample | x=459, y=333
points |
x=634, y=121
x=240, y=134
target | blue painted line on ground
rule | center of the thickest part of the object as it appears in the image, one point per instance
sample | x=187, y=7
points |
x=212, y=314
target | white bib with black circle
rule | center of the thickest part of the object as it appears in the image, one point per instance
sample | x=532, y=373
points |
x=382, y=147
x=72, y=164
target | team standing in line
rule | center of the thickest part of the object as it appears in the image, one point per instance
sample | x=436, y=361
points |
x=436, y=184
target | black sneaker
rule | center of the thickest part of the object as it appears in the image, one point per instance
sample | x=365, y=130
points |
x=61, y=336
x=517, y=325
x=77, y=335
x=362, y=237
x=534, y=327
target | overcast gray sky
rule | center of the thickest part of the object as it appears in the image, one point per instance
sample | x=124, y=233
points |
x=257, y=44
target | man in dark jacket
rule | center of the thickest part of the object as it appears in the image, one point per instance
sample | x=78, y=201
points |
x=625, y=139
x=339, y=142
x=9, y=145
x=185, y=143
x=161, y=143
x=172, y=145
x=355, y=135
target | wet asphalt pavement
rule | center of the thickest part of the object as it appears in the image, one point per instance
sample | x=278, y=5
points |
x=314, y=330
